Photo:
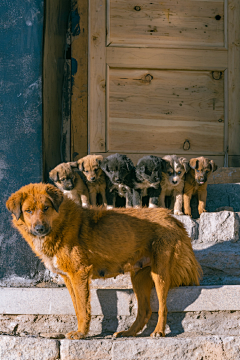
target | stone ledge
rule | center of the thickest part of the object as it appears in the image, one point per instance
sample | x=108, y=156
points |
x=189, y=348
x=113, y=302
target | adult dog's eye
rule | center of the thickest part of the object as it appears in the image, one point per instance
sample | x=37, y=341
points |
x=179, y=172
x=28, y=211
x=45, y=209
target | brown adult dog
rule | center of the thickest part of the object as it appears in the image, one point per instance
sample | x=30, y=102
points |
x=80, y=244
x=172, y=182
x=70, y=182
x=196, y=183
x=95, y=177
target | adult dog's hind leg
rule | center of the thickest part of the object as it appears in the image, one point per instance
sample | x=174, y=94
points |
x=142, y=285
x=162, y=283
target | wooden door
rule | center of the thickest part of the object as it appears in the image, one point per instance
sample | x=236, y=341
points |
x=164, y=78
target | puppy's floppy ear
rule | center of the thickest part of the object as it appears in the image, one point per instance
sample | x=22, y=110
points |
x=164, y=165
x=129, y=163
x=193, y=163
x=213, y=165
x=55, y=196
x=104, y=165
x=14, y=204
x=53, y=175
x=99, y=159
x=183, y=161
x=73, y=164
x=80, y=163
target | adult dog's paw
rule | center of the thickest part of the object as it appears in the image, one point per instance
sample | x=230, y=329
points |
x=75, y=335
x=157, y=334
x=122, y=334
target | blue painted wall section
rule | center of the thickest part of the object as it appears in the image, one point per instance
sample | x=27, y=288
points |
x=21, y=33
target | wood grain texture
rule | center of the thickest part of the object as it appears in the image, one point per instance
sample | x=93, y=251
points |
x=185, y=23
x=97, y=75
x=183, y=59
x=158, y=110
x=234, y=79
x=79, y=100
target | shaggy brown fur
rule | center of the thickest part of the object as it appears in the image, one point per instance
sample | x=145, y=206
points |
x=70, y=182
x=196, y=183
x=172, y=182
x=95, y=177
x=80, y=244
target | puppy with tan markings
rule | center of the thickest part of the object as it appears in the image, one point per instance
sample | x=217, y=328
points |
x=172, y=182
x=70, y=182
x=196, y=183
x=80, y=244
x=94, y=176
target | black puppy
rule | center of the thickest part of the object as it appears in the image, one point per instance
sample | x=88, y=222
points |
x=121, y=177
x=149, y=174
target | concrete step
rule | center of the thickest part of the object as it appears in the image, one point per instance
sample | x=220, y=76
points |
x=189, y=348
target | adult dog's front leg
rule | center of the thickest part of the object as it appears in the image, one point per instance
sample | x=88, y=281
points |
x=80, y=285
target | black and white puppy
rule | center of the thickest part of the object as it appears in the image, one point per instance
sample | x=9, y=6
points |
x=148, y=174
x=120, y=174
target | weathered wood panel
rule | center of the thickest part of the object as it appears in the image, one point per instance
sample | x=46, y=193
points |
x=79, y=101
x=166, y=23
x=97, y=75
x=155, y=111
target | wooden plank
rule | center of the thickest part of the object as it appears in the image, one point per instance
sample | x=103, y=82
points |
x=151, y=136
x=97, y=75
x=234, y=80
x=153, y=58
x=185, y=23
x=166, y=95
x=79, y=100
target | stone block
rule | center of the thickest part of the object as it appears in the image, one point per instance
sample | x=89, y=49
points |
x=21, y=348
x=190, y=224
x=86, y=350
x=218, y=227
x=223, y=195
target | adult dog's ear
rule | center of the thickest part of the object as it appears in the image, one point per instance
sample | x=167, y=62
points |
x=183, y=161
x=14, y=204
x=213, y=165
x=99, y=159
x=55, y=196
x=53, y=175
x=80, y=163
x=193, y=163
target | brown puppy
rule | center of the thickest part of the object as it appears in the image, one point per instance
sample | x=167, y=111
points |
x=95, y=177
x=172, y=182
x=196, y=183
x=70, y=182
x=80, y=244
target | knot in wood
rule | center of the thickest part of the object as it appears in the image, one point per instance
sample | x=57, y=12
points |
x=216, y=75
x=147, y=78
x=186, y=145
x=137, y=8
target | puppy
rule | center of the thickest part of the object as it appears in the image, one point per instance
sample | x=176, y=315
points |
x=80, y=244
x=172, y=182
x=148, y=175
x=120, y=173
x=196, y=183
x=94, y=177
x=70, y=182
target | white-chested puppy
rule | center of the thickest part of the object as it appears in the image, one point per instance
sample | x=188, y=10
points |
x=172, y=182
x=70, y=182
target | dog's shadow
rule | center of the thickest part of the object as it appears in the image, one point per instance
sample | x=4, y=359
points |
x=217, y=270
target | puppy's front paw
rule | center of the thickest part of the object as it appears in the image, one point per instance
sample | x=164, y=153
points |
x=201, y=211
x=178, y=212
x=75, y=335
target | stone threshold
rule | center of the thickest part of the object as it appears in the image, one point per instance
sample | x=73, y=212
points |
x=113, y=302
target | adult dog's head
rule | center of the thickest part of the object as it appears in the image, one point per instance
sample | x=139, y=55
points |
x=63, y=176
x=35, y=206
x=90, y=167
x=176, y=167
x=118, y=168
x=149, y=169
x=202, y=168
